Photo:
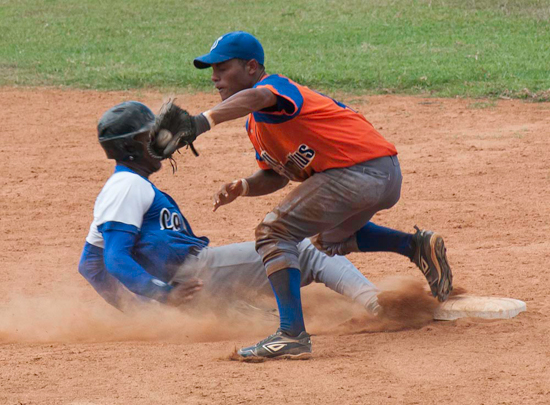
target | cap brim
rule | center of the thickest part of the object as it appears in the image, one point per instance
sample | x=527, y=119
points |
x=205, y=61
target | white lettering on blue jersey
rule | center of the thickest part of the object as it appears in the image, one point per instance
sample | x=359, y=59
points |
x=170, y=220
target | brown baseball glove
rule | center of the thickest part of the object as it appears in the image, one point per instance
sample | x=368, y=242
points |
x=175, y=128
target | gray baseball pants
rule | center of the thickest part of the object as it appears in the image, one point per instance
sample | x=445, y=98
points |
x=237, y=271
x=333, y=204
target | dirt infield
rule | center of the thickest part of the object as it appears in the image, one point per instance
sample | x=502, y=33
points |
x=478, y=172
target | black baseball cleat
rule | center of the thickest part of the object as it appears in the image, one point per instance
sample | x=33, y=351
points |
x=431, y=258
x=280, y=345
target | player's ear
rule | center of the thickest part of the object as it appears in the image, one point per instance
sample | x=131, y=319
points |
x=252, y=66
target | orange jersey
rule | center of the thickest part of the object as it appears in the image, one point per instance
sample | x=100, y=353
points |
x=307, y=132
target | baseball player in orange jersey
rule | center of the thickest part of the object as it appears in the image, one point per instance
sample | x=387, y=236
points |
x=348, y=172
x=140, y=246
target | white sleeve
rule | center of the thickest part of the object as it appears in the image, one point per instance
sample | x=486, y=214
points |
x=125, y=198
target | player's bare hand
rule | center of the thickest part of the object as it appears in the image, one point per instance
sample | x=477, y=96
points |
x=184, y=292
x=227, y=194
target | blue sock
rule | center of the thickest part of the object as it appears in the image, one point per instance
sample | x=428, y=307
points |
x=286, y=286
x=376, y=238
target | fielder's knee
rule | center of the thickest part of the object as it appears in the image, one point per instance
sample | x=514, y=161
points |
x=342, y=248
x=277, y=253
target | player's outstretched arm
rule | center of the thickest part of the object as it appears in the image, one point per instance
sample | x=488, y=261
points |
x=262, y=182
x=241, y=104
x=175, y=128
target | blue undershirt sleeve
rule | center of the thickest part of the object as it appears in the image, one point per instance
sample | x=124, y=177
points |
x=92, y=268
x=119, y=262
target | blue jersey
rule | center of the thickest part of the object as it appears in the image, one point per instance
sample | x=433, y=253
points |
x=138, y=214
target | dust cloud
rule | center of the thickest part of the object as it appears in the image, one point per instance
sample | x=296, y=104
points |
x=406, y=304
x=66, y=317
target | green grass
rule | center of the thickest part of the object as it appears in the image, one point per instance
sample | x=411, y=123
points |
x=441, y=47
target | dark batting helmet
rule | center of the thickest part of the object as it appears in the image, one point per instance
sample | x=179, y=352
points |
x=119, y=125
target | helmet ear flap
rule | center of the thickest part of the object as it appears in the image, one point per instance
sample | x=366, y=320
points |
x=133, y=150
x=129, y=148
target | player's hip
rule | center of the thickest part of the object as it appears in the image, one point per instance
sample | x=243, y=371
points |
x=331, y=199
x=374, y=183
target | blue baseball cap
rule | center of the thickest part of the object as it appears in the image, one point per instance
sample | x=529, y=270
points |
x=237, y=44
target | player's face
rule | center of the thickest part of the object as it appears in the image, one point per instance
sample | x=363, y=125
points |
x=148, y=162
x=231, y=76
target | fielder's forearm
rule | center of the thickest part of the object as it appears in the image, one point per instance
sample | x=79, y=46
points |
x=241, y=104
x=265, y=182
